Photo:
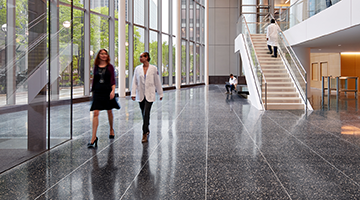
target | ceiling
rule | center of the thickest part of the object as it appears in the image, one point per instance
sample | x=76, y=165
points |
x=347, y=40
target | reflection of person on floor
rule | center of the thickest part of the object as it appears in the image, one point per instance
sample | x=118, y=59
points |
x=146, y=186
x=103, y=178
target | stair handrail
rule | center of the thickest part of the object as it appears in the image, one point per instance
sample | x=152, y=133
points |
x=297, y=63
x=258, y=82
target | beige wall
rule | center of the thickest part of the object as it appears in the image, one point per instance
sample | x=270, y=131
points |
x=323, y=64
x=222, y=33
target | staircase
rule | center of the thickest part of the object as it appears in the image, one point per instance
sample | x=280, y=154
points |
x=281, y=92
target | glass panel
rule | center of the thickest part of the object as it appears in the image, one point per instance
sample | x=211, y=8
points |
x=198, y=63
x=192, y=69
x=153, y=48
x=165, y=15
x=165, y=59
x=127, y=56
x=100, y=6
x=255, y=65
x=183, y=18
x=116, y=59
x=139, y=45
x=153, y=14
x=174, y=20
x=202, y=25
x=191, y=20
x=78, y=54
x=302, y=10
x=99, y=36
x=173, y=59
x=126, y=11
x=197, y=22
x=139, y=12
x=183, y=62
x=202, y=63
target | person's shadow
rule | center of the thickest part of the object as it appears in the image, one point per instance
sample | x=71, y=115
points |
x=145, y=185
x=103, y=178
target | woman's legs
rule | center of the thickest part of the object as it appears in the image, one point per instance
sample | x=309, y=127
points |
x=95, y=125
x=111, y=121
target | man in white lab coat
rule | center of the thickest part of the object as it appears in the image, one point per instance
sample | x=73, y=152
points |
x=146, y=82
x=272, y=37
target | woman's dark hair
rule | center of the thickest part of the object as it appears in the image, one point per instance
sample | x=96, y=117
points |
x=147, y=55
x=97, y=59
x=272, y=20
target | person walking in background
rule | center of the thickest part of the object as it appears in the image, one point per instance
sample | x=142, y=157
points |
x=272, y=37
x=328, y=3
x=231, y=84
x=103, y=92
x=145, y=83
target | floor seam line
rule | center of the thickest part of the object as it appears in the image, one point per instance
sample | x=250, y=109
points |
x=356, y=183
x=278, y=179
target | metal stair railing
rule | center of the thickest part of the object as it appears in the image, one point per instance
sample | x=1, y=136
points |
x=257, y=73
x=296, y=70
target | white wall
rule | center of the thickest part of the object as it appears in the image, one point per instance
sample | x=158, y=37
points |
x=222, y=33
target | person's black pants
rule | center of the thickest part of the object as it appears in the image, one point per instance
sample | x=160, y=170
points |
x=232, y=87
x=271, y=51
x=145, y=107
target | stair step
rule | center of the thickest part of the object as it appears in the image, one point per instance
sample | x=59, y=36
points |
x=282, y=100
x=285, y=106
x=281, y=94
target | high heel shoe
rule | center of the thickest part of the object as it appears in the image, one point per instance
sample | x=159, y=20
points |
x=112, y=136
x=94, y=144
x=145, y=137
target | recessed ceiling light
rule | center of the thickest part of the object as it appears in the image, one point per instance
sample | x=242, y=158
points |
x=339, y=45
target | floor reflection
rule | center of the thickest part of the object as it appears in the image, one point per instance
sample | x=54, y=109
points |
x=103, y=178
x=145, y=186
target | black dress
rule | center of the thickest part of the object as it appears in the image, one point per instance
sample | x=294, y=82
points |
x=101, y=89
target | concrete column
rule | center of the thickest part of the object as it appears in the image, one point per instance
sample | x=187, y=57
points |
x=121, y=48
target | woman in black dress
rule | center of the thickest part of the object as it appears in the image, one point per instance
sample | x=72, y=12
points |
x=103, y=90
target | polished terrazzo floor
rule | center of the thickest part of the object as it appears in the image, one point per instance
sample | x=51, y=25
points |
x=203, y=144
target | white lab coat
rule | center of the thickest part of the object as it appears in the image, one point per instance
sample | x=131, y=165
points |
x=233, y=81
x=142, y=86
x=272, y=34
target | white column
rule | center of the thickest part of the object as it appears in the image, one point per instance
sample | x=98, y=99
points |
x=122, y=51
x=206, y=75
x=178, y=45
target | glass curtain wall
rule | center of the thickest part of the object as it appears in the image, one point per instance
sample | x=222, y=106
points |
x=192, y=33
x=47, y=50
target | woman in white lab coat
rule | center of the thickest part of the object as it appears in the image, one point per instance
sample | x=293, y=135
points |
x=146, y=82
x=272, y=37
